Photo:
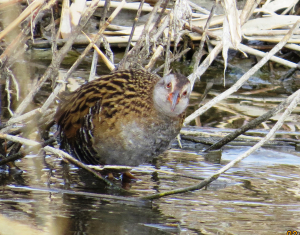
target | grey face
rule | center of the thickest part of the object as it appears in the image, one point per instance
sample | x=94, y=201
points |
x=171, y=94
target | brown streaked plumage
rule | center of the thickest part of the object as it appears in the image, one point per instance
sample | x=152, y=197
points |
x=124, y=118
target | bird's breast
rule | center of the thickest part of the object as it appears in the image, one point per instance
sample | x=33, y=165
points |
x=133, y=141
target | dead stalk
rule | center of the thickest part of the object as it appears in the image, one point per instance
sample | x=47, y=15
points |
x=32, y=7
x=134, y=55
x=54, y=94
x=95, y=54
x=103, y=57
x=133, y=28
x=198, y=55
x=159, y=50
x=57, y=59
x=168, y=51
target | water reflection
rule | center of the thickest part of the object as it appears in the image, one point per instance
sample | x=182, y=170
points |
x=251, y=197
x=88, y=216
x=70, y=214
x=56, y=212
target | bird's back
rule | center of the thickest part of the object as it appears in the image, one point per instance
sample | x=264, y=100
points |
x=112, y=120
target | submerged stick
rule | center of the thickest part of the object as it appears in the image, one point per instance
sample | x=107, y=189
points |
x=104, y=197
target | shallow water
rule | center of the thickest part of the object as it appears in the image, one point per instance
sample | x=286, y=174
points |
x=259, y=195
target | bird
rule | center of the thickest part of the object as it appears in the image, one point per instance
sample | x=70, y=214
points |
x=124, y=118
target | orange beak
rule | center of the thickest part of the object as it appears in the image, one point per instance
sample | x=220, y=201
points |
x=174, y=99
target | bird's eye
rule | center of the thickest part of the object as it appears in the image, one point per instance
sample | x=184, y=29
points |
x=169, y=85
x=184, y=93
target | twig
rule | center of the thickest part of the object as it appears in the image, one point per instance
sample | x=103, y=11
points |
x=154, y=57
x=206, y=63
x=244, y=78
x=248, y=10
x=276, y=59
x=74, y=161
x=104, y=197
x=242, y=96
x=195, y=6
x=128, y=6
x=161, y=27
x=95, y=54
x=133, y=28
x=134, y=54
x=217, y=135
x=201, y=31
x=198, y=55
x=222, y=132
x=172, y=59
x=19, y=40
x=58, y=152
x=168, y=51
x=20, y=155
x=54, y=37
x=21, y=119
x=289, y=73
x=20, y=140
x=7, y=85
x=293, y=46
x=159, y=19
x=109, y=64
x=107, y=49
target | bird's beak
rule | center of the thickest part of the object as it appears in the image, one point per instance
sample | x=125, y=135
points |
x=174, y=99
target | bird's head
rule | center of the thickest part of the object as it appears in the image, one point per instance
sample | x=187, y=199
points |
x=171, y=94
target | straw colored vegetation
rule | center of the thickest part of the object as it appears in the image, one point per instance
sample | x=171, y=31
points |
x=167, y=26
